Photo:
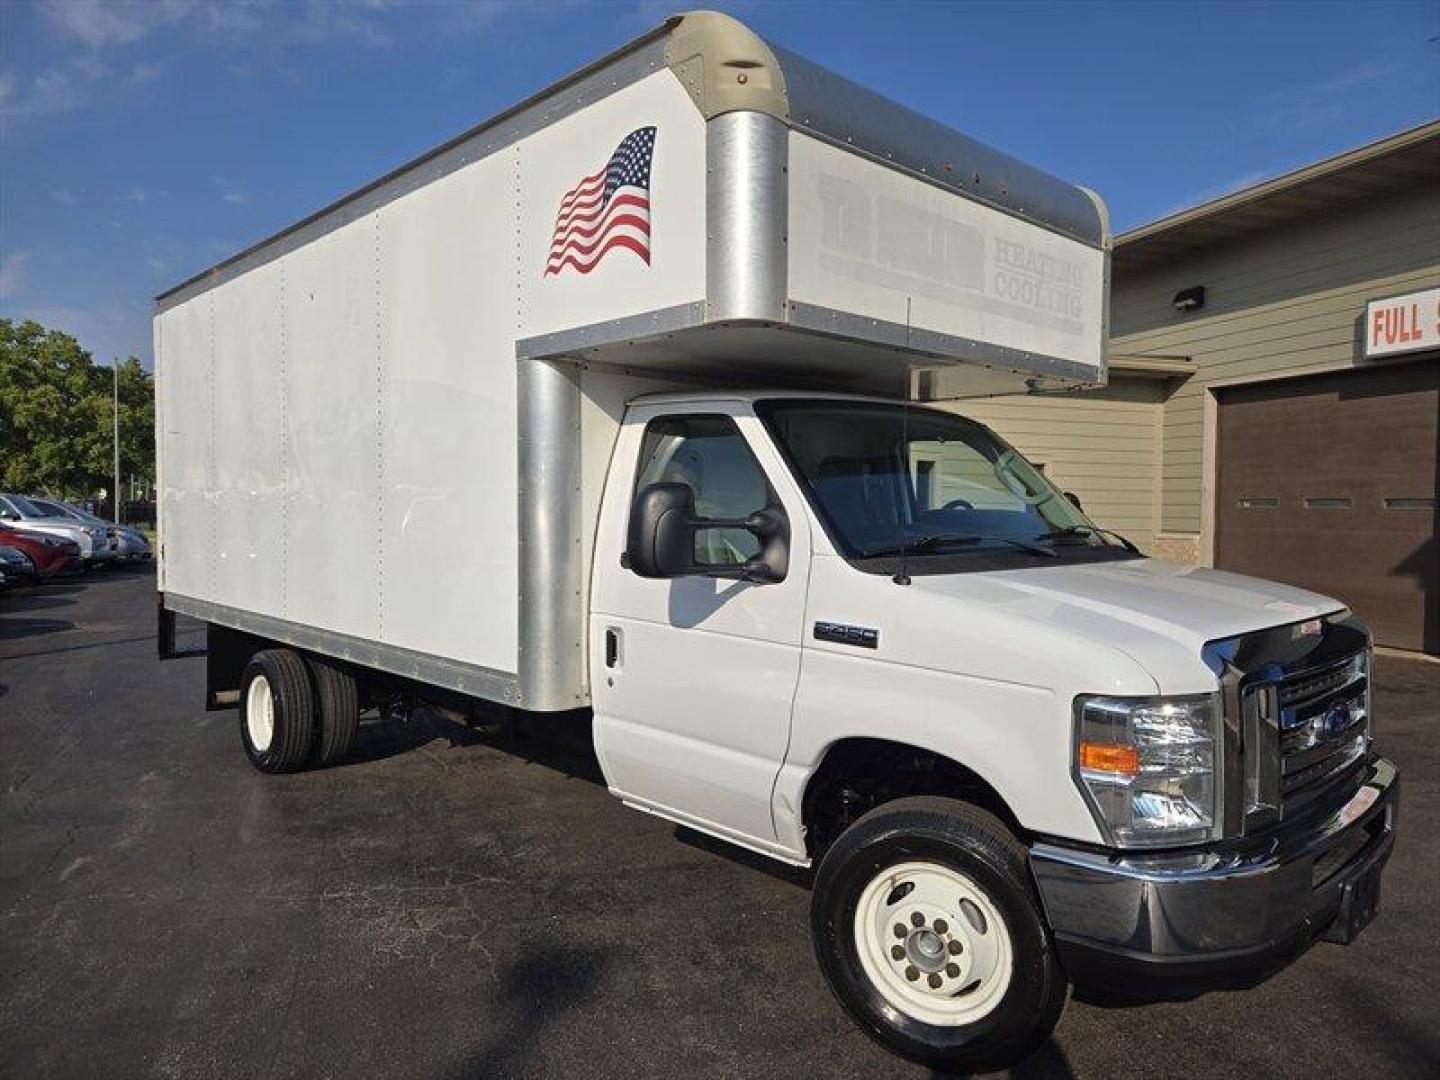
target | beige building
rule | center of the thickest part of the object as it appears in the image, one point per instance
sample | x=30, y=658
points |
x=1264, y=413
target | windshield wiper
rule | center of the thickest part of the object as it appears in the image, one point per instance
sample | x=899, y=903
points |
x=923, y=544
x=1090, y=530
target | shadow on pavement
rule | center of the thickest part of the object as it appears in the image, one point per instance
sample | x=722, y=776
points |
x=12, y=628
x=378, y=739
x=534, y=992
x=18, y=603
x=108, y=643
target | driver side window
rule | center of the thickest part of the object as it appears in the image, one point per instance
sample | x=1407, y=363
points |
x=710, y=455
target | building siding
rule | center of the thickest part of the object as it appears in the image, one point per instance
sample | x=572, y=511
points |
x=1104, y=447
x=1289, y=300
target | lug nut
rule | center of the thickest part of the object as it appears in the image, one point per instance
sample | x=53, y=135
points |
x=941, y=926
x=900, y=930
x=912, y=973
x=898, y=952
x=953, y=970
x=934, y=982
x=955, y=948
x=917, y=919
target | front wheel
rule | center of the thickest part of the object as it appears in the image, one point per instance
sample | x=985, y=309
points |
x=929, y=932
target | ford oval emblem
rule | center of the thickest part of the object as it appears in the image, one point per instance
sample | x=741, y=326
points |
x=1336, y=718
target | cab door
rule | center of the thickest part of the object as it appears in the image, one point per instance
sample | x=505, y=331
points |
x=693, y=678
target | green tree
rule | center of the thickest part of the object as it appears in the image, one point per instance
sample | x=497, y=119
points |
x=56, y=415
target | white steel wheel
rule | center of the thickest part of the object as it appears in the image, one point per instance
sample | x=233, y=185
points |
x=260, y=713
x=933, y=944
x=277, y=711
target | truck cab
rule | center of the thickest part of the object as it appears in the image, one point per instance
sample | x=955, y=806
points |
x=810, y=613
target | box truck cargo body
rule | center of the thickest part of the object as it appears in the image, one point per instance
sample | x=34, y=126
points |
x=616, y=406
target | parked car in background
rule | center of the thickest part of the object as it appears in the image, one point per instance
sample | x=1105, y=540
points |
x=97, y=546
x=50, y=554
x=133, y=547
x=16, y=568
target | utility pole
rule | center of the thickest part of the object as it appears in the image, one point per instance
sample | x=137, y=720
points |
x=116, y=488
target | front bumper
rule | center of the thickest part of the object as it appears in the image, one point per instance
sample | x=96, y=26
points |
x=1182, y=922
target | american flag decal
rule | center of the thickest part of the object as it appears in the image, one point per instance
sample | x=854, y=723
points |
x=608, y=210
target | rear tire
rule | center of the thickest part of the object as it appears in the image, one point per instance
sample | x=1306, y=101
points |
x=928, y=930
x=277, y=713
x=337, y=706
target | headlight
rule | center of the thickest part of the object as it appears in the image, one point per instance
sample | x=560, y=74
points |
x=1147, y=767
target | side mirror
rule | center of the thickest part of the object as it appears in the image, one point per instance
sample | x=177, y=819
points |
x=661, y=539
x=1074, y=499
x=9, y=515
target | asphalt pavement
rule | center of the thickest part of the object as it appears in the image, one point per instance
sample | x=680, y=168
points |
x=448, y=905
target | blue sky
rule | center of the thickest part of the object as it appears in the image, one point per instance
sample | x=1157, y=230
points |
x=142, y=142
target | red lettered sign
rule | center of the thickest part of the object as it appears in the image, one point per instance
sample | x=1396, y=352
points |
x=1403, y=323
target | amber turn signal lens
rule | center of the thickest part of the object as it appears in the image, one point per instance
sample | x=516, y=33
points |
x=1110, y=757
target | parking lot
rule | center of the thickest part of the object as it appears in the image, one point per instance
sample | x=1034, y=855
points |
x=448, y=905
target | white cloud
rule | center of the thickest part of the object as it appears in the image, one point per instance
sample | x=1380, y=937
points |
x=98, y=24
x=1321, y=102
x=229, y=192
x=267, y=29
x=12, y=274
x=113, y=24
x=137, y=195
x=108, y=24
x=51, y=89
x=64, y=196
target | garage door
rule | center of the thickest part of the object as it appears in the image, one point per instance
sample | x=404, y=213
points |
x=1330, y=482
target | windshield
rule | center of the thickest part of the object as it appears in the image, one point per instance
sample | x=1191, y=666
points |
x=59, y=509
x=24, y=507
x=886, y=479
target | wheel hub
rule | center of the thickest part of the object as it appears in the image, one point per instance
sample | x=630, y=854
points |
x=925, y=949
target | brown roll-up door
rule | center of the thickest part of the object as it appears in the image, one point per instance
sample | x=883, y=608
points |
x=1332, y=482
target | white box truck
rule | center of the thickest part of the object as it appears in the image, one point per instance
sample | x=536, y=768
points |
x=615, y=407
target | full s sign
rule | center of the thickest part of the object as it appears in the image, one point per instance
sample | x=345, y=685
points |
x=1402, y=324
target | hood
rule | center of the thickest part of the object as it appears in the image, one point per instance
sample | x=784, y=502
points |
x=1158, y=613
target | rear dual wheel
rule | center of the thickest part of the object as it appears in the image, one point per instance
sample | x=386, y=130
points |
x=296, y=712
x=277, y=711
x=337, y=710
x=928, y=930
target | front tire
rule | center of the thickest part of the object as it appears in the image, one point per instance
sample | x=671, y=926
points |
x=928, y=930
x=277, y=724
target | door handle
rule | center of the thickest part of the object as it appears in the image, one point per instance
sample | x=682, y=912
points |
x=612, y=647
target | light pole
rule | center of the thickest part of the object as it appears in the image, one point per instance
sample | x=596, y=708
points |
x=116, y=488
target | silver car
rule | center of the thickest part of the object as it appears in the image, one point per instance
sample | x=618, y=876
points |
x=97, y=546
x=133, y=547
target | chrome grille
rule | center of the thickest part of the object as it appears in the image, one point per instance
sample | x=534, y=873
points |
x=1324, y=721
x=1310, y=685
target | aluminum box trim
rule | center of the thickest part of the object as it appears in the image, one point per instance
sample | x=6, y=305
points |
x=472, y=679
